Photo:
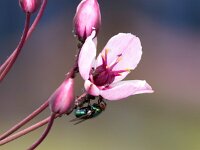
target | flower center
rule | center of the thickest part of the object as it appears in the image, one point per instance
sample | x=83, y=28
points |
x=104, y=75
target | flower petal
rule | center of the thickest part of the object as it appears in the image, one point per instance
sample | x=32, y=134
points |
x=124, y=89
x=126, y=44
x=91, y=88
x=87, y=56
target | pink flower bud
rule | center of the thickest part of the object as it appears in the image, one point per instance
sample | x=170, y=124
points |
x=87, y=18
x=29, y=6
x=62, y=99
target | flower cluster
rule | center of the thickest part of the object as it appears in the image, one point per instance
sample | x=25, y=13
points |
x=103, y=75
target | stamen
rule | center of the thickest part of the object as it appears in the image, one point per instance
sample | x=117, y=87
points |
x=107, y=50
x=128, y=70
x=119, y=58
x=119, y=72
x=104, y=57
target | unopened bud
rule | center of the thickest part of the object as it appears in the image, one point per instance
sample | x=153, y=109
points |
x=87, y=18
x=29, y=6
x=62, y=100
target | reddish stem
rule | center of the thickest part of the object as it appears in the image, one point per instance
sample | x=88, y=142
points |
x=3, y=66
x=44, y=135
x=25, y=131
x=18, y=49
x=33, y=127
x=24, y=121
x=37, y=19
x=74, y=70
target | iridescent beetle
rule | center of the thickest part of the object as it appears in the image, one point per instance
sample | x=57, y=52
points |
x=83, y=113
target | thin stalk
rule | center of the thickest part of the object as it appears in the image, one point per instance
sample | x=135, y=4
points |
x=38, y=17
x=25, y=131
x=18, y=49
x=34, y=127
x=24, y=121
x=34, y=24
x=44, y=135
x=74, y=70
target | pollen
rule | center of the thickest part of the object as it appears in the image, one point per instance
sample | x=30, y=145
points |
x=107, y=50
x=128, y=70
x=119, y=59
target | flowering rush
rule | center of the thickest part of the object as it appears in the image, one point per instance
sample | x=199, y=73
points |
x=103, y=76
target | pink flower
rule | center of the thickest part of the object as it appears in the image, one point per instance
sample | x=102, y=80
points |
x=29, y=6
x=62, y=100
x=103, y=76
x=87, y=18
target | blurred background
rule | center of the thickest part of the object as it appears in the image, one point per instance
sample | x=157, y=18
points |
x=168, y=119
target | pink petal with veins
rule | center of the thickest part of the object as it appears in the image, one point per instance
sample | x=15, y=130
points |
x=91, y=88
x=126, y=44
x=124, y=89
x=87, y=56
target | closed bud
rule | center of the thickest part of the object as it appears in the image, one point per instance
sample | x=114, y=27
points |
x=87, y=19
x=62, y=100
x=29, y=6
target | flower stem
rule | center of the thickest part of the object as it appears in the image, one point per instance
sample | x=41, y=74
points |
x=5, y=139
x=30, y=30
x=75, y=69
x=24, y=121
x=18, y=49
x=39, y=141
x=37, y=19
x=25, y=131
